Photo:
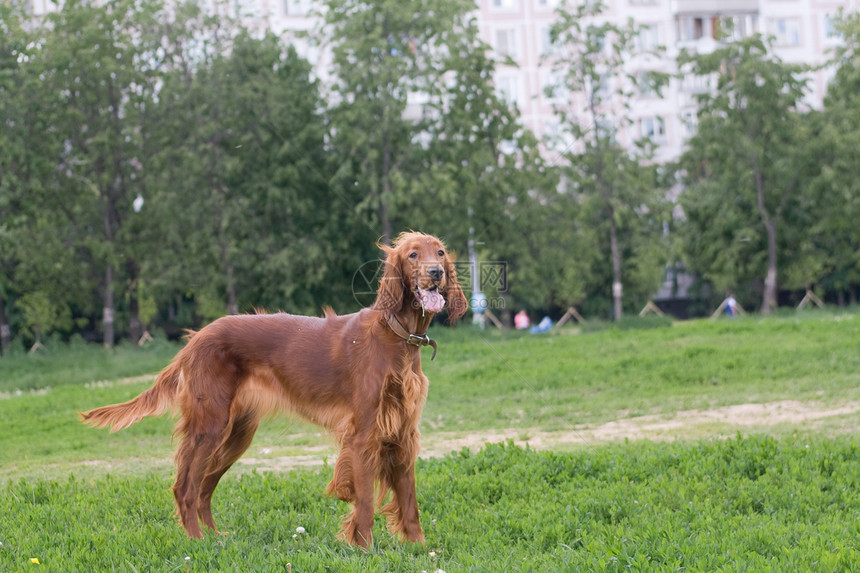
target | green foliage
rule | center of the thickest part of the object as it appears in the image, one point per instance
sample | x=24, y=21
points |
x=616, y=189
x=41, y=314
x=384, y=54
x=744, y=202
x=834, y=196
x=257, y=192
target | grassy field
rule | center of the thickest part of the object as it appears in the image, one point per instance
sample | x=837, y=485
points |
x=771, y=497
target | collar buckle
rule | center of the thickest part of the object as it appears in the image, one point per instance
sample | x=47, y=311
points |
x=418, y=340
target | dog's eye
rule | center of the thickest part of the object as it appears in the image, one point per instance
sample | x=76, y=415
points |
x=440, y=252
x=413, y=255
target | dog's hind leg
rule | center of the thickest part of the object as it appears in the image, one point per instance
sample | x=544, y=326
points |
x=202, y=430
x=243, y=428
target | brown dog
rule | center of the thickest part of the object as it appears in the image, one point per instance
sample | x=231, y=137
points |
x=358, y=375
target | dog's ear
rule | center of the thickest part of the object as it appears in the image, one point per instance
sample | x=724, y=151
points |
x=389, y=296
x=457, y=303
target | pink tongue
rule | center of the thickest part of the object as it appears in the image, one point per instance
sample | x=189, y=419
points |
x=432, y=300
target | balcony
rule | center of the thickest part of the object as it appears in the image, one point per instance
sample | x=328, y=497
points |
x=713, y=6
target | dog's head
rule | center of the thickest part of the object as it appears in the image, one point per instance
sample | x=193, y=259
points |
x=420, y=272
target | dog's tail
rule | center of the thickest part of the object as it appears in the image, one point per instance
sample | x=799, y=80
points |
x=152, y=402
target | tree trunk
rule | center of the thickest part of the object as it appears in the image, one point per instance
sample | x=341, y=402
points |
x=770, y=288
x=617, y=288
x=384, y=218
x=135, y=329
x=768, y=302
x=108, y=310
x=232, y=305
x=385, y=222
x=5, y=331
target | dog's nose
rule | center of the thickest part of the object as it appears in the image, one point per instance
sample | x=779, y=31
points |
x=436, y=273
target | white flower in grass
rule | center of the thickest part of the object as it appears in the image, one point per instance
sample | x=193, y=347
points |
x=300, y=530
x=432, y=556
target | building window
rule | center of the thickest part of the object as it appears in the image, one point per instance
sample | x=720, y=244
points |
x=786, y=31
x=830, y=31
x=502, y=4
x=553, y=88
x=653, y=128
x=508, y=88
x=506, y=42
x=649, y=37
x=605, y=130
x=693, y=83
x=690, y=28
x=643, y=2
x=546, y=46
x=645, y=84
x=690, y=121
x=558, y=140
x=296, y=7
x=736, y=27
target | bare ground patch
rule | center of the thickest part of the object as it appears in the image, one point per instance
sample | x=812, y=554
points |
x=687, y=424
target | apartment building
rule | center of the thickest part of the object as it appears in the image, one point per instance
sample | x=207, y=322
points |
x=519, y=29
x=802, y=29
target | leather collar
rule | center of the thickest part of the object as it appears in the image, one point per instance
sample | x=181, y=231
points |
x=410, y=338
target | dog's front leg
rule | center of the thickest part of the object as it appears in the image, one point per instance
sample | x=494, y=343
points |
x=399, y=473
x=356, y=485
x=404, y=510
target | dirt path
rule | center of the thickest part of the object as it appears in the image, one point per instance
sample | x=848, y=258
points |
x=689, y=424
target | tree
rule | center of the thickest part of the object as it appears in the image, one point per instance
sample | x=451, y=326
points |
x=92, y=58
x=42, y=314
x=738, y=196
x=239, y=184
x=834, y=193
x=37, y=238
x=477, y=174
x=16, y=92
x=607, y=168
x=389, y=63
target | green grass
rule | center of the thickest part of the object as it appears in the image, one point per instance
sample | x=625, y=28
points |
x=80, y=499
x=81, y=363
x=493, y=380
x=479, y=381
x=745, y=504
